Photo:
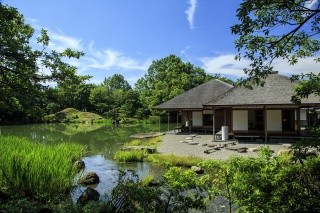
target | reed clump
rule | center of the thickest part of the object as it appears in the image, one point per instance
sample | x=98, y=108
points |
x=36, y=170
x=130, y=155
x=145, y=142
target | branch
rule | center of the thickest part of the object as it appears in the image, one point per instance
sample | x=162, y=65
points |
x=292, y=32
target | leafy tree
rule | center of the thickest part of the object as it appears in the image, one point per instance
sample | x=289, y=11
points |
x=74, y=92
x=21, y=77
x=116, y=82
x=101, y=99
x=286, y=29
x=167, y=78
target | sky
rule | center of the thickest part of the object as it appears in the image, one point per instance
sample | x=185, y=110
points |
x=125, y=36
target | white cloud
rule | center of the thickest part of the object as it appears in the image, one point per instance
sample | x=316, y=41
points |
x=110, y=59
x=311, y=4
x=59, y=41
x=185, y=52
x=226, y=65
x=190, y=12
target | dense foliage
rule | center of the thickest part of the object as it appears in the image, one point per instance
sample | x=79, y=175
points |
x=274, y=29
x=22, y=75
x=167, y=78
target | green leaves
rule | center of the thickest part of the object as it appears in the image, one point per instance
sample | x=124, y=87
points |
x=167, y=78
x=275, y=29
x=24, y=71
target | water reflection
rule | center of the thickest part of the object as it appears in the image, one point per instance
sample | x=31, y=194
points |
x=101, y=140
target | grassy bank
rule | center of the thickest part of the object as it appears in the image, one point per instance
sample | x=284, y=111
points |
x=71, y=115
x=36, y=170
x=173, y=160
x=136, y=155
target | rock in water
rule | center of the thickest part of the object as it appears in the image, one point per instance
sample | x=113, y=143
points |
x=79, y=165
x=89, y=194
x=89, y=179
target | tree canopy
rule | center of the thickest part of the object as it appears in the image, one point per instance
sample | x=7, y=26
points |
x=24, y=71
x=285, y=29
x=167, y=78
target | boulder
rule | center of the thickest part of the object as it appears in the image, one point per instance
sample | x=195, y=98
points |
x=197, y=169
x=253, y=149
x=79, y=165
x=242, y=150
x=89, y=179
x=89, y=194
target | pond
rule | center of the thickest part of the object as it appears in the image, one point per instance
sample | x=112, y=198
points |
x=101, y=141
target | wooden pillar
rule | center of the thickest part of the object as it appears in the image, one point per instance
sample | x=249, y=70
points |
x=265, y=124
x=213, y=126
x=159, y=122
x=168, y=121
x=225, y=117
x=298, y=126
x=177, y=118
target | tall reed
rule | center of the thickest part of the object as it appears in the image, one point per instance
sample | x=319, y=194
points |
x=37, y=170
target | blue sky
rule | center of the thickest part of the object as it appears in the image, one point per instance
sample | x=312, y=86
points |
x=125, y=36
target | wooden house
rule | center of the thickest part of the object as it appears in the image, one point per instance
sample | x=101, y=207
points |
x=263, y=111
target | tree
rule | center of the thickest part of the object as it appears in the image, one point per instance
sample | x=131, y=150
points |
x=115, y=82
x=22, y=81
x=101, y=99
x=167, y=78
x=285, y=29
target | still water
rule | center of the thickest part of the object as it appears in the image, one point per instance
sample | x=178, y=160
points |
x=101, y=141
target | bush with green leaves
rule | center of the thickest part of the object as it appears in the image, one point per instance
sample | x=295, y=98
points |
x=266, y=184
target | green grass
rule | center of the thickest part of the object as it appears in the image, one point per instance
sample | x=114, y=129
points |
x=130, y=155
x=37, y=170
x=173, y=160
x=71, y=115
x=154, y=142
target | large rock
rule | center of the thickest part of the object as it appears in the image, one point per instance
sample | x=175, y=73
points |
x=89, y=194
x=79, y=165
x=89, y=179
x=253, y=149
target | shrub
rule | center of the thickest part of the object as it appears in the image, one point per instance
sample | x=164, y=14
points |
x=130, y=155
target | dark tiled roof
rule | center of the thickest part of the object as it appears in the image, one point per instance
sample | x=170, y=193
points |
x=196, y=97
x=278, y=89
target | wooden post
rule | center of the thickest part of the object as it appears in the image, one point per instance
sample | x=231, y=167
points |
x=159, y=122
x=168, y=121
x=265, y=124
x=213, y=126
x=298, y=118
x=177, y=118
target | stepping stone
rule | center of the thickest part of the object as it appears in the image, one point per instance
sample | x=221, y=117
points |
x=193, y=143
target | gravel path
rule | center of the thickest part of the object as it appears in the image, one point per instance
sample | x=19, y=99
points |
x=176, y=144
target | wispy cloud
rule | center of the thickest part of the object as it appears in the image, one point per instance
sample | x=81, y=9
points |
x=185, y=52
x=111, y=59
x=311, y=4
x=226, y=65
x=99, y=63
x=190, y=12
x=59, y=41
